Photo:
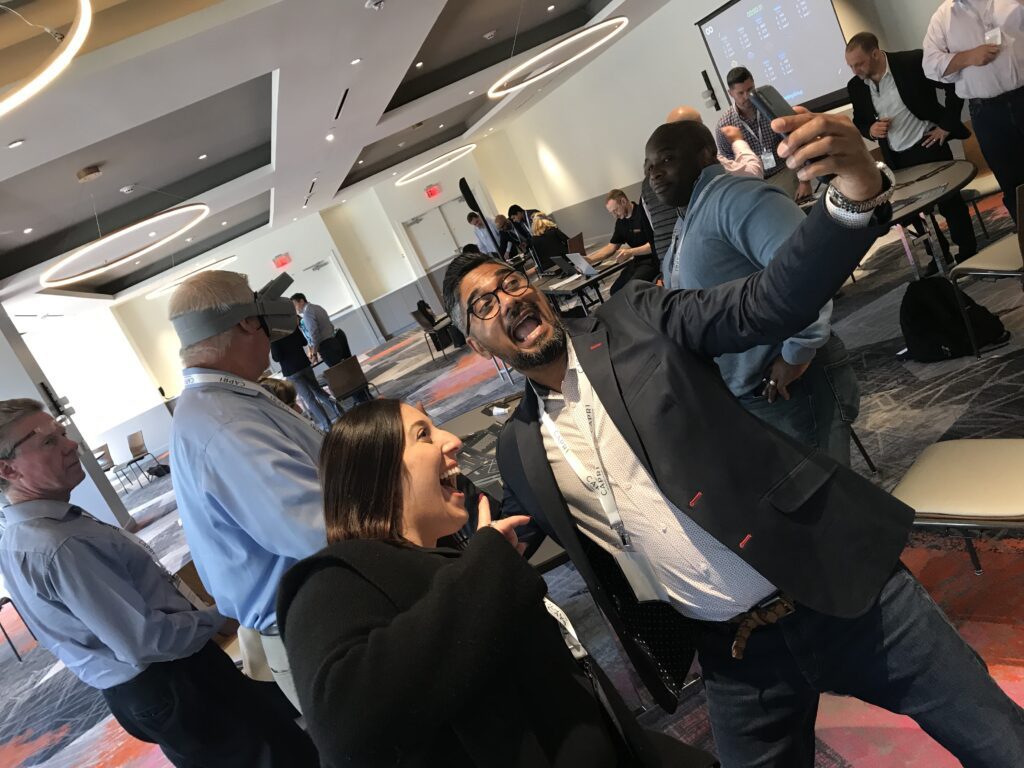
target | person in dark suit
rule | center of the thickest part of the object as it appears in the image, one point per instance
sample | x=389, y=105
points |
x=407, y=653
x=510, y=242
x=522, y=219
x=698, y=528
x=897, y=106
x=290, y=353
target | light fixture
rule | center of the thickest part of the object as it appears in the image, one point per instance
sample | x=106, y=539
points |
x=27, y=231
x=138, y=261
x=472, y=92
x=500, y=88
x=419, y=64
x=168, y=288
x=198, y=211
x=329, y=137
x=56, y=63
x=295, y=218
x=394, y=173
x=223, y=223
x=490, y=129
x=304, y=206
x=188, y=239
x=355, y=61
x=435, y=165
x=551, y=8
x=360, y=162
x=152, y=234
x=401, y=144
x=440, y=126
x=16, y=143
x=344, y=201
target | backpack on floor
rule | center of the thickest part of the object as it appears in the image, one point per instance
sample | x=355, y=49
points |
x=933, y=327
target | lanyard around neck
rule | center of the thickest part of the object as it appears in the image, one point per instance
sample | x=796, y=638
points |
x=677, y=241
x=595, y=478
x=197, y=380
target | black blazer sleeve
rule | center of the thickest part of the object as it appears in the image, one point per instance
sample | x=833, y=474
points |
x=863, y=108
x=375, y=681
x=768, y=306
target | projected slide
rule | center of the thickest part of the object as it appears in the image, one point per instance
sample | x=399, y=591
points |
x=794, y=45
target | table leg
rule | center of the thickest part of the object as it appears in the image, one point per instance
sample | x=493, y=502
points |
x=933, y=236
x=908, y=251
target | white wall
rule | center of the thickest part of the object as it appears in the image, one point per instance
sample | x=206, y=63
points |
x=905, y=22
x=88, y=360
x=307, y=241
x=502, y=172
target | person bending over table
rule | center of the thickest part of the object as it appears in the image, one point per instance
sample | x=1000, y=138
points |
x=632, y=238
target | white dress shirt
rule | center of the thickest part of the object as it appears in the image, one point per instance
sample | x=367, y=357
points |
x=702, y=577
x=906, y=129
x=959, y=25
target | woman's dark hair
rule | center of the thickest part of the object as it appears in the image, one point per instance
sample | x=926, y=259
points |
x=361, y=472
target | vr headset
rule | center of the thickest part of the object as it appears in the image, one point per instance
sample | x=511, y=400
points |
x=276, y=315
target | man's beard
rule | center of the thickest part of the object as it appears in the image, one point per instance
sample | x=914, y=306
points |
x=550, y=351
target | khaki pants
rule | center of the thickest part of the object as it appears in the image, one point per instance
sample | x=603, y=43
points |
x=280, y=668
x=264, y=658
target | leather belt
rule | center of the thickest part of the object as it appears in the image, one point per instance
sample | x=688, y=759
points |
x=768, y=611
x=1007, y=96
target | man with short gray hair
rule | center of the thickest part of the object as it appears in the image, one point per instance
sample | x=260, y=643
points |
x=96, y=598
x=244, y=464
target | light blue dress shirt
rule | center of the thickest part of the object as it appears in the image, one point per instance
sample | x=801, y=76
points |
x=245, y=476
x=318, y=324
x=93, y=597
x=733, y=231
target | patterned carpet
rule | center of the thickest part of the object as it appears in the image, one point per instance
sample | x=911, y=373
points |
x=49, y=719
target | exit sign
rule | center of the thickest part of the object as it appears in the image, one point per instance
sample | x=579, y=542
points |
x=434, y=190
x=282, y=260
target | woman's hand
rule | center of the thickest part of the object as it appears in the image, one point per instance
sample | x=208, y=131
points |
x=506, y=526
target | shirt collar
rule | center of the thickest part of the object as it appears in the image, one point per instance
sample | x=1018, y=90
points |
x=570, y=370
x=37, y=508
x=716, y=169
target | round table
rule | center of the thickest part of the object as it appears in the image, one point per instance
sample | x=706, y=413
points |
x=919, y=189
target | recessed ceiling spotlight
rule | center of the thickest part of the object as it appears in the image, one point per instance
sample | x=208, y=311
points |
x=344, y=201
x=472, y=92
x=16, y=143
x=440, y=126
x=295, y=218
x=360, y=162
x=188, y=239
x=551, y=8
x=401, y=144
x=304, y=206
x=27, y=231
x=419, y=64
x=152, y=234
x=395, y=173
x=203, y=156
x=355, y=61
x=223, y=223
x=490, y=129
x=329, y=137
x=138, y=262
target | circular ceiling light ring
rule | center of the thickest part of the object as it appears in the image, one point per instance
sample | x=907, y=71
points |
x=499, y=90
x=46, y=280
x=55, y=64
x=435, y=165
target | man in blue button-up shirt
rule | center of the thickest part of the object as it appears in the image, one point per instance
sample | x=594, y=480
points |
x=97, y=599
x=244, y=468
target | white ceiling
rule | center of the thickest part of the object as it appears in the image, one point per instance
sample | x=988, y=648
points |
x=306, y=47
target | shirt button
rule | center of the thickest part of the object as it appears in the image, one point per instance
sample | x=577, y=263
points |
x=664, y=529
x=627, y=486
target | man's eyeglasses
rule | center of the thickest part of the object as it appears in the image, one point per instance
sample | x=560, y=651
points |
x=49, y=439
x=487, y=305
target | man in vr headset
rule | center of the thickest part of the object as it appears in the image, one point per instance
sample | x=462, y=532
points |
x=244, y=464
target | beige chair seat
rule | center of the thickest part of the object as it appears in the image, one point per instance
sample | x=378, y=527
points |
x=977, y=480
x=1002, y=256
x=981, y=186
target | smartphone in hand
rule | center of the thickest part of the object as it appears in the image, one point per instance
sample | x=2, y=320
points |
x=770, y=103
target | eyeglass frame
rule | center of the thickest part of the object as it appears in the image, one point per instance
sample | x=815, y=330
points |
x=494, y=293
x=61, y=429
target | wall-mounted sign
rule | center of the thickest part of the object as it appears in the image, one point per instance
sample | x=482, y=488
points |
x=282, y=260
x=434, y=190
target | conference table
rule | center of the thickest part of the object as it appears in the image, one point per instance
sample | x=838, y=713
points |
x=560, y=288
x=919, y=190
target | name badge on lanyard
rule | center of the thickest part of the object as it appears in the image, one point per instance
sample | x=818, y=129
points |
x=634, y=563
x=768, y=161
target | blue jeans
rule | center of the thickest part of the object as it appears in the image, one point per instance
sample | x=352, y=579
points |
x=320, y=406
x=902, y=655
x=822, y=405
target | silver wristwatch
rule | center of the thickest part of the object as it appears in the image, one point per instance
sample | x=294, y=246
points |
x=843, y=203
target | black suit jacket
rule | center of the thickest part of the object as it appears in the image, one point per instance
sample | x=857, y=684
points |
x=290, y=352
x=816, y=530
x=916, y=91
